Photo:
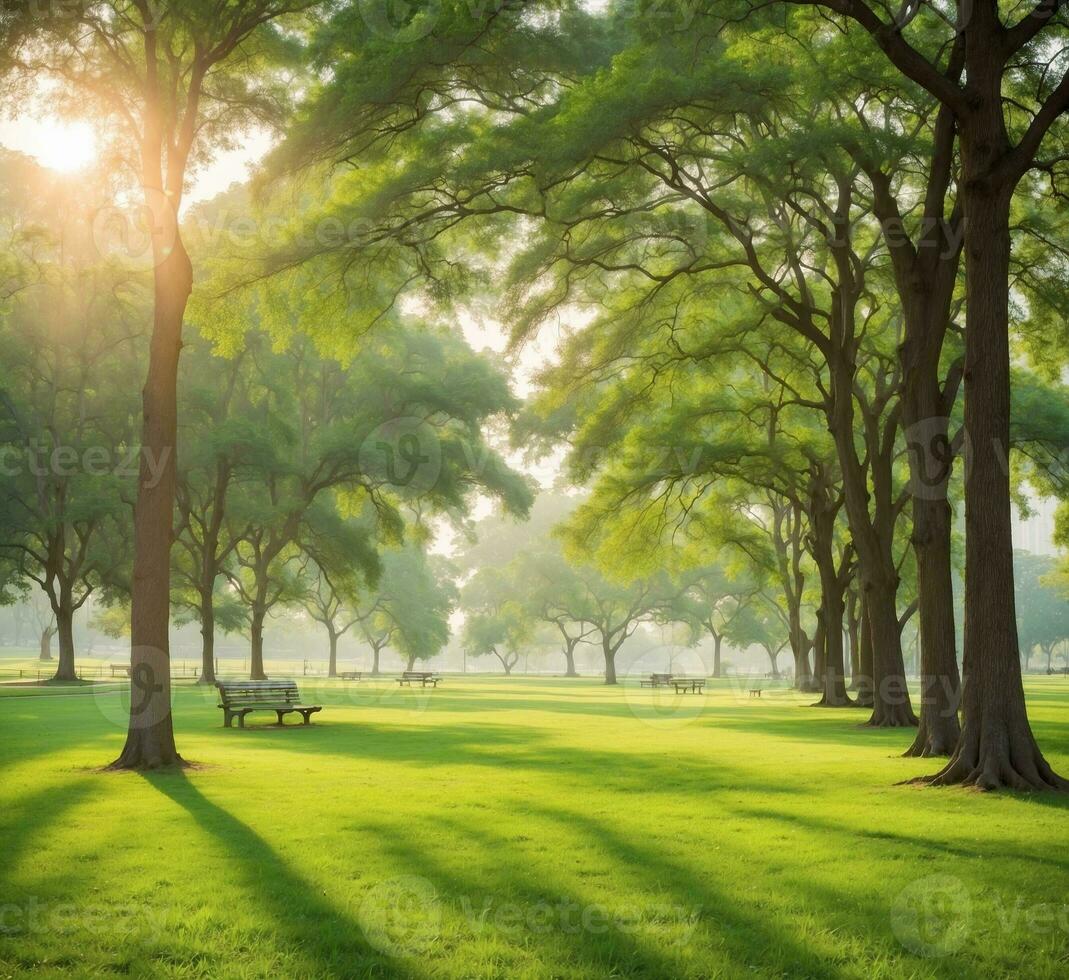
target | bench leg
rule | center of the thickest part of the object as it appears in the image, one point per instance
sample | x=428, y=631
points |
x=227, y=718
x=307, y=716
x=241, y=719
x=281, y=715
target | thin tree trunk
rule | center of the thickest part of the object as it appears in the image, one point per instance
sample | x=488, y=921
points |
x=46, y=643
x=833, y=672
x=853, y=619
x=865, y=658
x=411, y=663
x=819, y=647
x=256, y=644
x=803, y=674
x=207, y=639
x=332, y=665
x=150, y=738
x=717, y=640
x=374, y=661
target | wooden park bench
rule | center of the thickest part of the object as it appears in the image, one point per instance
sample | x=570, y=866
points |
x=238, y=698
x=656, y=680
x=755, y=692
x=423, y=677
x=350, y=675
x=695, y=685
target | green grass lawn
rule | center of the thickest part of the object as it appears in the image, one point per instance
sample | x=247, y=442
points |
x=519, y=828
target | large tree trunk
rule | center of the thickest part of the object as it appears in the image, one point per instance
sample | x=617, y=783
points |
x=46, y=643
x=256, y=644
x=207, y=639
x=996, y=747
x=65, y=669
x=411, y=665
x=150, y=739
x=829, y=665
x=375, y=661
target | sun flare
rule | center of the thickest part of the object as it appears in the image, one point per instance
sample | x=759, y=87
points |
x=66, y=146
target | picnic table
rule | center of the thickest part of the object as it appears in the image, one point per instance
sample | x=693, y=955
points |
x=423, y=677
x=239, y=698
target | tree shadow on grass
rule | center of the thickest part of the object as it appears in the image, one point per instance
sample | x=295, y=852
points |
x=512, y=751
x=332, y=942
x=25, y=821
x=698, y=919
x=918, y=844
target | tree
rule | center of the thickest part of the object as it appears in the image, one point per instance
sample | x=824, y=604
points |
x=1042, y=613
x=226, y=438
x=495, y=620
x=419, y=596
x=65, y=434
x=757, y=624
x=971, y=64
x=329, y=605
x=174, y=83
x=713, y=597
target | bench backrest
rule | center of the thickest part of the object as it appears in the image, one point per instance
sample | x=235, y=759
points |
x=418, y=673
x=661, y=677
x=258, y=692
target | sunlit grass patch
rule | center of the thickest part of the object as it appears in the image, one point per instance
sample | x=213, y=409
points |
x=520, y=827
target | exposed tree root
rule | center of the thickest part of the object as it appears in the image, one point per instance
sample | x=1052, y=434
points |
x=826, y=702
x=938, y=738
x=892, y=716
x=994, y=757
x=148, y=749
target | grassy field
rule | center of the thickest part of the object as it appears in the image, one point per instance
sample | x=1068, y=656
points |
x=518, y=828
